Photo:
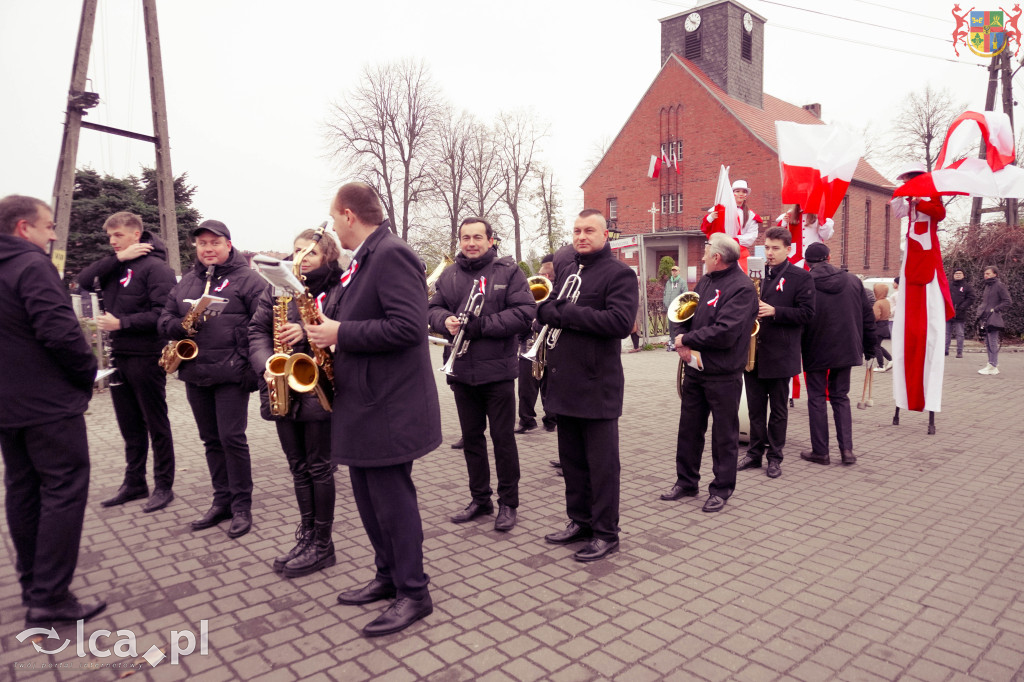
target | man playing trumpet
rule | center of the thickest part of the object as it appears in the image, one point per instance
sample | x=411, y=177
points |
x=485, y=367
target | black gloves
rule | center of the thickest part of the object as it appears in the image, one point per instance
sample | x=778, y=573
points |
x=474, y=329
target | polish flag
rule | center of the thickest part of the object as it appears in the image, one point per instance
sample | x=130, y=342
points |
x=675, y=163
x=728, y=219
x=654, y=170
x=817, y=163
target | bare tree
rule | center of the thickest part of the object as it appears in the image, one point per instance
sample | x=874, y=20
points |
x=483, y=172
x=517, y=135
x=921, y=125
x=381, y=131
x=549, y=199
x=598, y=148
x=450, y=170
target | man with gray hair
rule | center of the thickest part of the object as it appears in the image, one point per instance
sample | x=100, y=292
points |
x=714, y=345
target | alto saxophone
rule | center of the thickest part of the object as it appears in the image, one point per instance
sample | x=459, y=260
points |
x=186, y=349
x=752, y=351
x=278, y=362
x=322, y=361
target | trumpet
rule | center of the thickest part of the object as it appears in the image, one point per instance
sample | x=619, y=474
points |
x=549, y=337
x=186, y=349
x=108, y=355
x=474, y=305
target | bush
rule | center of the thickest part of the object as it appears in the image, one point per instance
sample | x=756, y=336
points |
x=525, y=267
x=665, y=266
x=973, y=248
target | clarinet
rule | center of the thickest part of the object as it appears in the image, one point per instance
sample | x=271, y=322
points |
x=108, y=355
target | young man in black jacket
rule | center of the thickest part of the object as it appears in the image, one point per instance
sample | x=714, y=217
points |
x=786, y=305
x=719, y=332
x=134, y=282
x=962, y=295
x=585, y=383
x=46, y=383
x=219, y=379
x=483, y=378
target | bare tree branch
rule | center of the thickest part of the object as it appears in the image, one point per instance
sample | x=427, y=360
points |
x=517, y=136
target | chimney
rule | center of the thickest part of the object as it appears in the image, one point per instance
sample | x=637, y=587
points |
x=814, y=109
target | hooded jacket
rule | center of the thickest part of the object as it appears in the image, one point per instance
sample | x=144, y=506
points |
x=48, y=368
x=842, y=329
x=135, y=292
x=508, y=311
x=223, y=340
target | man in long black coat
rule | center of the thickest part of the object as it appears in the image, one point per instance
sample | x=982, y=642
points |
x=386, y=413
x=134, y=282
x=483, y=377
x=585, y=383
x=46, y=380
x=840, y=335
x=719, y=333
x=786, y=305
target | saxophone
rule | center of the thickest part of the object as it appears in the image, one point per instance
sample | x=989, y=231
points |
x=186, y=349
x=322, y=362
x=278, y=362
x=752, y=352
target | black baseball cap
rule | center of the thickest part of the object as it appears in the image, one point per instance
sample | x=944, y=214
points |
x=215, y=226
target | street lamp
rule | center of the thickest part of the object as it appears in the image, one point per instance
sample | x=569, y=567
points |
x=614, y=233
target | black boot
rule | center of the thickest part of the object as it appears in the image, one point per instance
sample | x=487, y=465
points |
x=317, y=555
x=304, y=533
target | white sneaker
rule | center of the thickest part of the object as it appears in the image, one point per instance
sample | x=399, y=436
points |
x=987, y=369
x=994, y=370
x=888, y=366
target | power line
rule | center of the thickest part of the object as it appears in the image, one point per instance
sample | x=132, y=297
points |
x=855, y=21
x=905, y=11
x=880, y=47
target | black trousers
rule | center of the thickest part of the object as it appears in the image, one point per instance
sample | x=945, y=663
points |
x=718, y=397
x=386, y=500
x=838, y=382
x=767, y=432
x=589, y=452
x=46, y=474
x=222, y=413
x=494, y=402
x=307, y=446
x=529, y=389
x=140, y=403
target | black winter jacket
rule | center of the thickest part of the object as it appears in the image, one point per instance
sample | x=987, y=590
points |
x=48, y=368
x=508, y=310
x=791, y=292
x=584, y=370
x=720, y=328
x=842, y=331
x=134, y=292
x=962, y=295
x=223, y=340
x=305, y=407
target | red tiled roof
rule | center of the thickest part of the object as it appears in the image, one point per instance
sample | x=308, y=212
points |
x=761, y=122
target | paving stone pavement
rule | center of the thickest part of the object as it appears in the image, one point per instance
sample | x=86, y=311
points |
x=906, y=566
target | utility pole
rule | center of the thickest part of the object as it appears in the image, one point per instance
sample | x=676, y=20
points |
x=79, y=101
x=998, y=69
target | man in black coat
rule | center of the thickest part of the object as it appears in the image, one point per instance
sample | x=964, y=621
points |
x=584, y=384
x=219, y=379
x=715, y=349
x=786, y=305
x=962, y=296
x=46, y=380
x=840, y=335
x=386, y=412
x=134, y=282
x=483, y=377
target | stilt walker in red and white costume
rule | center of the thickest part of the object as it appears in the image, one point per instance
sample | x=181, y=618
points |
x=805, y=230
x=923, y=306
x=737, y=221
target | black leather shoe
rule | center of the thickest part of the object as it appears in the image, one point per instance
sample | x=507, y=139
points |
x=596, y=549
x=474, y=510
x=158, y=500
x=774, y=469
x=678, y=492
x=125, y=494
x=573, y=532
x=375, y=590
x=66, y=611
x=523, y=428
x=714, y=503
x=400, y=615
x=506, y=519
x=241, y=522
x=748, y=462
x=811, y=457
x=848, y=457
x=212, y=518
x=555, y=463
x=550, y=427
x=459, y=444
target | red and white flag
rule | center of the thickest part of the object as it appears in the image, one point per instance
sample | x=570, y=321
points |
x=654, y=170
x=817, y=163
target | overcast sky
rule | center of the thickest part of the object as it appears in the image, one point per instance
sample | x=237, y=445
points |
x=250, y=83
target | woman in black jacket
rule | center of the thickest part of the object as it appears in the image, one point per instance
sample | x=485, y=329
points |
x=995, y=300
x=305, y=432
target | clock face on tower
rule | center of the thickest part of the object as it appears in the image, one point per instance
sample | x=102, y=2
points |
x=748, y=22
x=692, y=22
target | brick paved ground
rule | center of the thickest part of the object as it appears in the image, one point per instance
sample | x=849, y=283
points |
x=905, y=566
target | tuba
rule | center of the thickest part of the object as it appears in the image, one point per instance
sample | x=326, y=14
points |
x=680, y=310
x=436, y=274
x=186, y=349
x=540, y=287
